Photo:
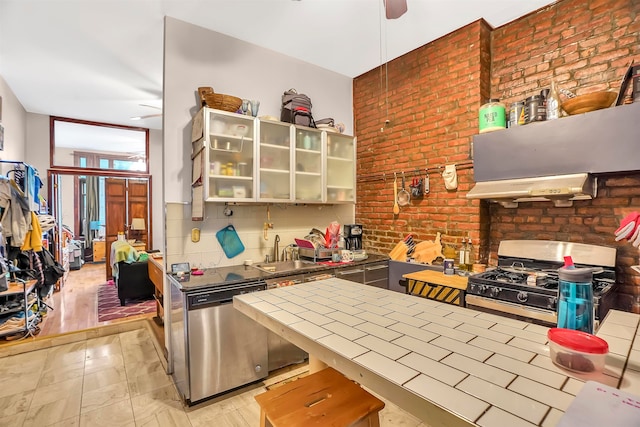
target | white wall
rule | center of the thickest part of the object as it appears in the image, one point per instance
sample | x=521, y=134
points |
x=14, y=121
x=195, y=57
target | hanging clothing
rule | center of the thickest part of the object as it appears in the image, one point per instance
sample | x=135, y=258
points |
x=33, y=239
x=16, y=215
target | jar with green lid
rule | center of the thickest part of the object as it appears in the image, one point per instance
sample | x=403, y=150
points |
x=492, y=116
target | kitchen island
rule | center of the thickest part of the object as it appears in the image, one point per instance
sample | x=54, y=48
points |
x=447, y=365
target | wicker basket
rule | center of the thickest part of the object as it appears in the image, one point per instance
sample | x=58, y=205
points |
x=219, y=101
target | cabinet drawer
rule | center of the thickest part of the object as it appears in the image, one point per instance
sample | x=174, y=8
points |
x=375, y=272
x=155, y=274
x=352, y=274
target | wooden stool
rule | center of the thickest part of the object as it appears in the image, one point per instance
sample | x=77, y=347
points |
x=326, y=398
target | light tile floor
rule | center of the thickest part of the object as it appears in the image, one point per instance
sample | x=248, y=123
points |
x=119, y=380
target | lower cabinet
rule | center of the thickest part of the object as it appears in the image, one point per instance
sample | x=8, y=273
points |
x=374, y=274
x=353, y=274
x=377, y=274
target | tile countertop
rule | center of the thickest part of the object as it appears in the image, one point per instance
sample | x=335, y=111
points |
x=447, y=365
x=212, y=277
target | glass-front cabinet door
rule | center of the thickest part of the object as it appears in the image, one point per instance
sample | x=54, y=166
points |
x=275, y=160
x=341, y=168
x=308, y=158
x=229, y=143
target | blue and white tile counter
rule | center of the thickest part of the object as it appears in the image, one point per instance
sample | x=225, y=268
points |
x=445, y=364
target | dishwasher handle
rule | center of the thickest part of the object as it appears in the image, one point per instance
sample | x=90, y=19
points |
x=221, y=296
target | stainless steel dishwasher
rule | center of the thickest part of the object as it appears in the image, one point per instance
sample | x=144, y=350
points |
x=216, y=348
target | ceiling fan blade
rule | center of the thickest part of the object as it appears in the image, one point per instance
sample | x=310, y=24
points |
x=150, y=106
x=148, y=116
x=395, y=8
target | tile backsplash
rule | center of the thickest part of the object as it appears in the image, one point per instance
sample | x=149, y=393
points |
x=289, y=222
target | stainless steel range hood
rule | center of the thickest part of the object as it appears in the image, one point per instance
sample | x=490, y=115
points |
x=560, y=189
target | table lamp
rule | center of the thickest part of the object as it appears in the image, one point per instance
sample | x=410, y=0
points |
x=137, y=225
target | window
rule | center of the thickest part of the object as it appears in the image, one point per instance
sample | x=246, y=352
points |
x=79, y=144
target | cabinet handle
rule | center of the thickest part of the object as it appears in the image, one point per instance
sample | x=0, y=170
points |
x=376, y=267
x=345, y=272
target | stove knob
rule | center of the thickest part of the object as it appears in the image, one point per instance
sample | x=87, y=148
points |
x=522, y=296
x=483, y=289
x=495, y=291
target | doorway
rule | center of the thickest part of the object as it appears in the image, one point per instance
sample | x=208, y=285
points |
x=118, y=199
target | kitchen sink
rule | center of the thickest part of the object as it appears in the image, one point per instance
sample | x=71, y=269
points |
x=284, y=266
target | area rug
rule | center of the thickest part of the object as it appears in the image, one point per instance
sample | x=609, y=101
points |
x=109, y=307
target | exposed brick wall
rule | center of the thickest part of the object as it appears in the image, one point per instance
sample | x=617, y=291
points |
x=431, y=98
x=584, y=46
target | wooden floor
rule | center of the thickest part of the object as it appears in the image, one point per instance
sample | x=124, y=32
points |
x=75, y=306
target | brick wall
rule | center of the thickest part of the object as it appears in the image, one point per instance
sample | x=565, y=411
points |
x=584, y=46
x=431, y=97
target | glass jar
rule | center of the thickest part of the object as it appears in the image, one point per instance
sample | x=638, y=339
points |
x=492, y=116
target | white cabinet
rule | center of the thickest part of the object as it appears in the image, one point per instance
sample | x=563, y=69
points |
x=340, y=168
x=309, y=171
x=224, y=156
x=275, y=160
x=239, y=158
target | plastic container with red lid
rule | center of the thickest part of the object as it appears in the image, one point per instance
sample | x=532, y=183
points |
x=576, y=350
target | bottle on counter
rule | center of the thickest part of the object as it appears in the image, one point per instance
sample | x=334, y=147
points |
x=462, y=255
x=469, y=258
x=553, y=102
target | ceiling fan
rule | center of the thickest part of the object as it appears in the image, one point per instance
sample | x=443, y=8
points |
x=148, y=116
x=395, y=8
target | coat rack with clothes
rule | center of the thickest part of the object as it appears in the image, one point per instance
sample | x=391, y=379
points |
x=21, y=248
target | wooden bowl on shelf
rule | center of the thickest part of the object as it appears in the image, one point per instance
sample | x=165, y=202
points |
x=589, y=102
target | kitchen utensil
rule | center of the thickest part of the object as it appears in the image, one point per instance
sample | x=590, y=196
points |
x=426, y=182
x=230, y=241
x=416, y=186
x=403, y=195
x=396, y=208
x=589, y=102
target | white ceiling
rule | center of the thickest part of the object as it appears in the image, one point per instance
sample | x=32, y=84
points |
x=100, y=59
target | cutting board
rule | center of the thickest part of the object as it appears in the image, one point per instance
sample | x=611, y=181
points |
x=428, y=251
x=230, y=241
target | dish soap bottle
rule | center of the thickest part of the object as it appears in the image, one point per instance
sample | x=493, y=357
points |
x=553, y=102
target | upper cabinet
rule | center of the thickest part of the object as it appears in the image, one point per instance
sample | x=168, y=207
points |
x=340, y=168
x=275, y=160
x=225, y=157
x=239, y=158
x=309, y=173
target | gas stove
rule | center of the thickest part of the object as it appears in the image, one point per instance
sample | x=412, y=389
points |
x=525, y=283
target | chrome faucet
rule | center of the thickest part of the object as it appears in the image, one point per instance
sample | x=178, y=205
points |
x=276, y=240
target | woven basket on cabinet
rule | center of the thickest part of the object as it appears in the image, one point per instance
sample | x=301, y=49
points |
x=219, y=101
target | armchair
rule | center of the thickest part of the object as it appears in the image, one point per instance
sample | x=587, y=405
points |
x=133, y=280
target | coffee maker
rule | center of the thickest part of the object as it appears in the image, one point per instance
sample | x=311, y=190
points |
x=353, y=237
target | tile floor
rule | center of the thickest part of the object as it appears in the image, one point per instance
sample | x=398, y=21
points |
x=119, y=380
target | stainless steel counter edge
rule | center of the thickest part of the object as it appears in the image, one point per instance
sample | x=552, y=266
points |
x=242, y=274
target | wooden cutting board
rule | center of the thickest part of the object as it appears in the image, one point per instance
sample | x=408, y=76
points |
x=428, y=251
